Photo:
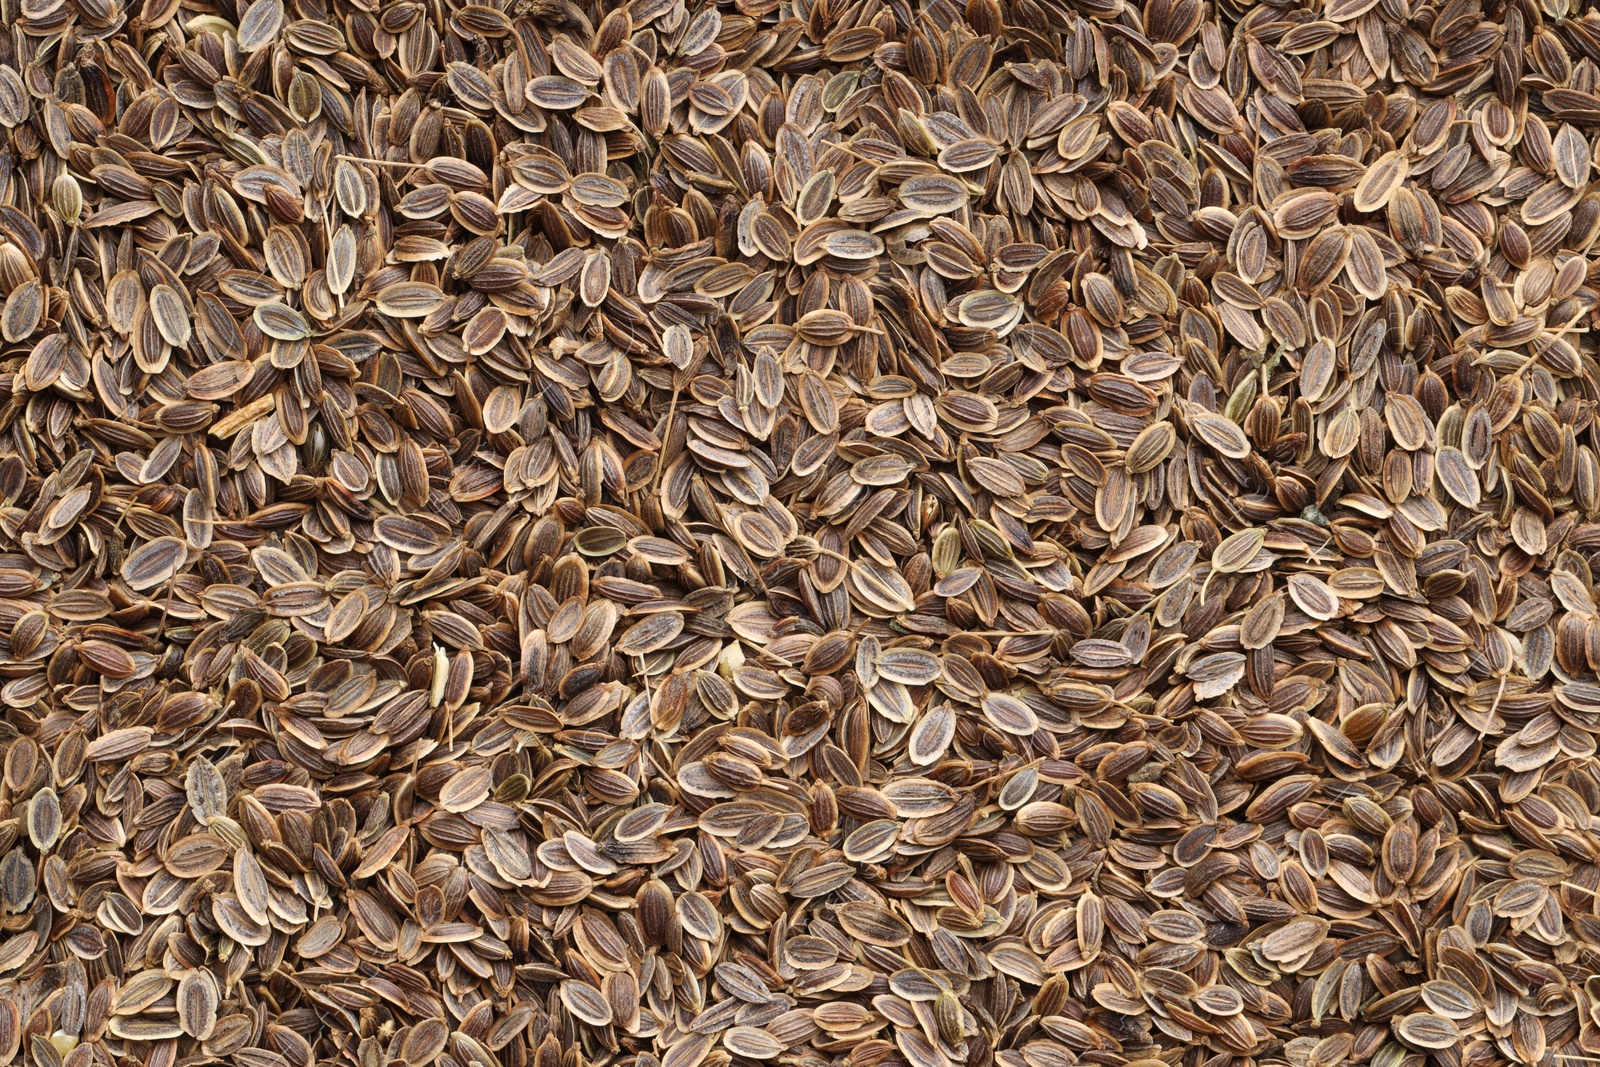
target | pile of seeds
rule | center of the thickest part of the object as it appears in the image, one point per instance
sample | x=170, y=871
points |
x=831, y=532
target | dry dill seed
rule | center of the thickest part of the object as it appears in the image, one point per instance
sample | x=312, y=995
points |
x=678, y=534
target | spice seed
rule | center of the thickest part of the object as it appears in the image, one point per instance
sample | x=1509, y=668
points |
x=682, y=533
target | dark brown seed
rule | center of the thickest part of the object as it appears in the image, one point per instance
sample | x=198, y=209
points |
x=681, y=534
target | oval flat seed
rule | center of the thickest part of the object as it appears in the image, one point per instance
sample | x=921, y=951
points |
x=715, y=537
